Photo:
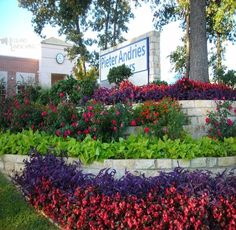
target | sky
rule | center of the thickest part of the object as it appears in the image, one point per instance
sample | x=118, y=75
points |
x=17, y=36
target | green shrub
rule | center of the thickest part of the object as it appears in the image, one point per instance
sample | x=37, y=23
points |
x=65, y=90
x=161, y=118
x=159, y=82
x=118, y=74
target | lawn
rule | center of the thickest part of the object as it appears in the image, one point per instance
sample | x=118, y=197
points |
x=15, y=213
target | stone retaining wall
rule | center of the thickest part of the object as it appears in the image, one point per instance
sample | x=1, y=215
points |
x=150, y=167
x=197, y=110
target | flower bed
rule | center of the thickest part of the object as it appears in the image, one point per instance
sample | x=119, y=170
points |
x=176, y=200
x=183, y=89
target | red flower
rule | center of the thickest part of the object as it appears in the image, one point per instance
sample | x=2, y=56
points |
x=230, y=122
x=208, y=120
x=74, y=124
x=146, y=130
x=219, y=133
x=86, y=131
x=114, y=122
x=133, y=123
x=44, y=113
x=58, y=132
x=61, y=94
x=26, y=101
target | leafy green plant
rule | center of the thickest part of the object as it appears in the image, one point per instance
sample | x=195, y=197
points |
x=134, y=147
x=118, y=74
x=218, y=121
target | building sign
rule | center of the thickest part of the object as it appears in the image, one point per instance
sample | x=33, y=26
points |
x=20, y=47
x=135, y=55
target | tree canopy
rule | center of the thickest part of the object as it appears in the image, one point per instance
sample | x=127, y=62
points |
x=108, y=18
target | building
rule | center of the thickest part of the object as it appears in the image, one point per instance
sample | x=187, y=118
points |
x=52, y=66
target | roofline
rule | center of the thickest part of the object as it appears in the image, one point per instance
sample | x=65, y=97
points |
x=25, y=58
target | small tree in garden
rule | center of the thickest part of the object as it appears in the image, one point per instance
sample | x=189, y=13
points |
x=219, y=123
x=118, y=74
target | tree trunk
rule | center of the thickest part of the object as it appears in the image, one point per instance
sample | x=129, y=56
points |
x=198, y=41
x=80, y=42
x=115, y=24
x=218, y=51
x=187, y=60
x=107, y=25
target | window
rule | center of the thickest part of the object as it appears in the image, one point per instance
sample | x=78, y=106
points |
x=23, y=80
x=3, y=84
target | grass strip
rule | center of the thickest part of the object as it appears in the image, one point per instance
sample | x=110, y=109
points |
x=16, y=213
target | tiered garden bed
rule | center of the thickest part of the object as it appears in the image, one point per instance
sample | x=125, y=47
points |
x=158, y=194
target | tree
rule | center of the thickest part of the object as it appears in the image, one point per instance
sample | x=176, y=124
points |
x=170, y=11
x=198, y=41
x=221, y=26
x=69, y=15
x=110, y=21
x=74, y=18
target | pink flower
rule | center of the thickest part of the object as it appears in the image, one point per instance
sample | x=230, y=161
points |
x=90, y=108
x=230, y=122
x=133, y=123
x=94, y=137
x=114, y=129
x=146, y=130
x=208, y=120
x=234, y=110
x=117, y=113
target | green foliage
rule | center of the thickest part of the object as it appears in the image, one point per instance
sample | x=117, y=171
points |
x=69, y=16
x=87, y=79
x=159, y=82
x=15, y=213
x=134, y=147
x=228, y=78
x=110, y=21
x=178, y=60
x=68, y=89
x=21, y=143
x=163, y=118
x=219, y=123
x=118, y=74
